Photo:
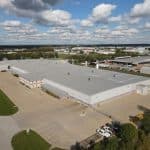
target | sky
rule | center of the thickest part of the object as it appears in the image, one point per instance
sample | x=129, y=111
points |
x=74, y=22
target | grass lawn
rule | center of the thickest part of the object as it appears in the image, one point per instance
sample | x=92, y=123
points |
x=29, y=141
x=6, y=106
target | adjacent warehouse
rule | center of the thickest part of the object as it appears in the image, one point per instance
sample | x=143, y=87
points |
x=66, y=80
x=132, y=60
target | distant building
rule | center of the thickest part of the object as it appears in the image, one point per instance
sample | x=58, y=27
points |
x=140, y=50
x=132, y=60
x=85, y=50
x=106, y=52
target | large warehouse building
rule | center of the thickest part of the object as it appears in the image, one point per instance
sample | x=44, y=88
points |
x=66, y=80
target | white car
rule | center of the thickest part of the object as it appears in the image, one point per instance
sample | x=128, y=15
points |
x=104, y=131
x=106, y=128
x=105, y=134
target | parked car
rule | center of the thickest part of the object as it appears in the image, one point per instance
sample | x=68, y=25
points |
x=104, y=131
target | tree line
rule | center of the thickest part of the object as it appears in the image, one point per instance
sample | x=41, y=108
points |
x=48, y=52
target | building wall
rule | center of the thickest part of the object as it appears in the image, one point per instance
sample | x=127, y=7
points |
x=71, y=92
x=99, y=97
x=116, y=92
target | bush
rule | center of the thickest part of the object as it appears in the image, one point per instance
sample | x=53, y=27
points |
x=145, y=123
x=107, y=144
x=111, y=143
x=143, y=142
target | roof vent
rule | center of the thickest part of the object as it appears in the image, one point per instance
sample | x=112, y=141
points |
x=114, y=75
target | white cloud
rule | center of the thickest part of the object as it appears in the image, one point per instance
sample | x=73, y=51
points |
x=57, y=17
x=147, y=25
x=21, y=8
x=61, y=27
x=59, y=30
x=5, y=3
x=141, y=9
x=102, y=12
x=115, y=19
x=102, y=31
x=124, y=31
x=133, y=20
x=13, y=27
x=86, y=23
x=11, y=23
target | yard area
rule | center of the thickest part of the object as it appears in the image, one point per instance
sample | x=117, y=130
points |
x=7, y=107
x=29, y=141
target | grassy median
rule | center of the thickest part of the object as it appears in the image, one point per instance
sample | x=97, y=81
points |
x=6, y=106
x=29, y=141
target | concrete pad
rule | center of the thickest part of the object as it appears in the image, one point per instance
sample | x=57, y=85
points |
x=122, y=107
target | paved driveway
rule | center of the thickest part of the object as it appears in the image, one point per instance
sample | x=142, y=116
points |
x=8, y=128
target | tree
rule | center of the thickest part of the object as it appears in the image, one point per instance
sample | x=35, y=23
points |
x=143, y=142
x=145, y=123
x=126, y=145
x=111, y=144
x=128, y=133
x=107, y=144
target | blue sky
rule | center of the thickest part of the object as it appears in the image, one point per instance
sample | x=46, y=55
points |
x=74, y=21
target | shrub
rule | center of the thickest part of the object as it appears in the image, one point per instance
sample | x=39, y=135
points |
x=128, y=133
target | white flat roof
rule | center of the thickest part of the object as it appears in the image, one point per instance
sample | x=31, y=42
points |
x=84, y=79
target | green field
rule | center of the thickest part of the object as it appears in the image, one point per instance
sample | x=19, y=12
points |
x=6, y=106
x=29, y=141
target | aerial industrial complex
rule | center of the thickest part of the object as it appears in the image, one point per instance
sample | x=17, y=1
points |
x=88, y=85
